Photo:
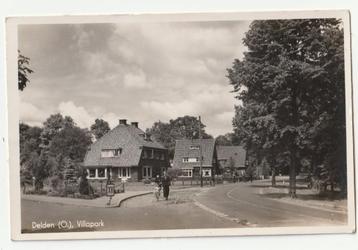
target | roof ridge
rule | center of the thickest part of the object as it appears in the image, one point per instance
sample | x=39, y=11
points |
x=105, y=135
x=135, y=135
x=141, y=141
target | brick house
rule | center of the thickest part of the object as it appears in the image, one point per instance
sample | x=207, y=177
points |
x=125, y=153
x=187, y=157
x=232, y=157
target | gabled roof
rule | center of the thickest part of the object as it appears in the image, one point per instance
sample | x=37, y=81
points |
x=127, y=137
x=237, y=153
x=182, y=149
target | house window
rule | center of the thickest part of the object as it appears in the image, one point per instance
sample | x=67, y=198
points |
x=190, y=159
x=193, y=159
x=157, y=155
x=101, y=173
x=147, y=172
x=206, y=172
x=148, y=154
x=145, y=154
x=194, y=147
x=186, y=172
x=124, y=172
x=105, y=153
x=92, y=173
x=117, y=152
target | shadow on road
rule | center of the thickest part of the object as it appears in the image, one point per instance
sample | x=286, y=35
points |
x=319, y=197
x=277, y=186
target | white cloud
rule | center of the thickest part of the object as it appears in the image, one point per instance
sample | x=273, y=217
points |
x=225, y=116
x=79, y=114
x=31, y=114
x=84, y=118
x=136, y=80
x=111, y=118
x=142, y=72
x=168, y=109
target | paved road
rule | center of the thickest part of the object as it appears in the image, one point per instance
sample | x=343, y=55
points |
x=140, y=213
x=242, y=202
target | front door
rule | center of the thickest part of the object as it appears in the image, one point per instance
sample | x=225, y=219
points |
x=147, y=172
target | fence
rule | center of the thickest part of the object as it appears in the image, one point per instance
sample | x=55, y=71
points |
x=99, y=187
x=208, y=181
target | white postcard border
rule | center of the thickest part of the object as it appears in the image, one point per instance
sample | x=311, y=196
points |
x=13, y=119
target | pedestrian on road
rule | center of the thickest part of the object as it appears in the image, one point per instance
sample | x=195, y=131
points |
x=157, y=187
x=234, y=178
x=158, y=180
x=166, y=181
x=157, y=190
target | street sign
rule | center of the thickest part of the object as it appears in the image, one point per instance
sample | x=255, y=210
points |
x=110, y=190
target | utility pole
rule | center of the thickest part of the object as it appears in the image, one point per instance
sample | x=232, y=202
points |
x=201, y=154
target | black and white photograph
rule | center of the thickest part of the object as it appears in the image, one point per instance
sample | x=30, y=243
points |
x=180, y=125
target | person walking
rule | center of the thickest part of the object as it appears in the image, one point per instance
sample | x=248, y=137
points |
x=166, y=181
x=157, y=187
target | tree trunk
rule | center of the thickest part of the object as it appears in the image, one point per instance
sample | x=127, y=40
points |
x=293, y=151
x=293, y=165
x=273, y=178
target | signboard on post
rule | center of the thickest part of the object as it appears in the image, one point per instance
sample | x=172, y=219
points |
x=110, y=189
x=110, y=192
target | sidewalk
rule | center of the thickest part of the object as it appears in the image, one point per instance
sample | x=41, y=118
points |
x=305, y=197
x=99, y=202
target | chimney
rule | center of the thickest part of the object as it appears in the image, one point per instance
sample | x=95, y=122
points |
x=134, y=124
x=123, y=121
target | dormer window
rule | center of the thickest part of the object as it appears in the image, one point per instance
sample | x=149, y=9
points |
x=190, y=159
x=106, y=153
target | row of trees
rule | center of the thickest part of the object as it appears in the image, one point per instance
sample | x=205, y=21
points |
x=291, y=84
x=55, y=150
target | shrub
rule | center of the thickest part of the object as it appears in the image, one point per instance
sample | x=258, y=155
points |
x=84, y=187
x=55, y=182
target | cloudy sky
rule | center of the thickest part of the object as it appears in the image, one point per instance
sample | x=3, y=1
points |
x=142, y=72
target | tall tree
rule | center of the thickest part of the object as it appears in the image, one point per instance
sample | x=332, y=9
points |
x=52, y=126
x=224, y=140
x=291, y=82
x=29, y=152
x=99, y=128
x=23, y=70
x=71, y=143
x=67, y=150
x=29, y=141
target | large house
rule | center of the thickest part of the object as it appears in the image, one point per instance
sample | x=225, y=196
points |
x=125, y=152
x=187, y=157
x=232, y=158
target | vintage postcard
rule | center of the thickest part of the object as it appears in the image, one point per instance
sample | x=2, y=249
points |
x=173, y=125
